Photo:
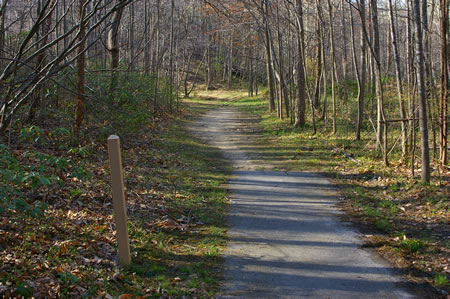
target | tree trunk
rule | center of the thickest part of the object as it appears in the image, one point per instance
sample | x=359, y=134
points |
x=420, y=65
x=444, y=81
x=300, y=104
x=324, y=116
x=113, y=47
x=172, y=41
x=318, y=67
x=284, y=99
x=3, y=4
x=290, y=72
x=81, y=72
x=360, y=75
x=186, y=67
x=410, y=80
x=269, y=69
x=230, y=62
x=399, y=80
x=146, y=38
x=250, y=71
x=344, y=42
x=333, y=69
x=156, y=61
x=131, y=37
x=41, y=41
x=377, y=69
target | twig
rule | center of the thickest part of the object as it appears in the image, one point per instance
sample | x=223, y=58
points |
x=341, y=151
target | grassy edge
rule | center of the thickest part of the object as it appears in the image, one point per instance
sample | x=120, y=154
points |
x=195, y=263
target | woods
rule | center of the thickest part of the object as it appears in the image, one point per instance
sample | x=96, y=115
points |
x=73, y=72
x=386, y=31
x=43, y=41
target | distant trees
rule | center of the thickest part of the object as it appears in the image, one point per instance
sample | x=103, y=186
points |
x=386, y=54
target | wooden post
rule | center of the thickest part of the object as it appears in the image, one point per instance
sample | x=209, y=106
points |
x=120, y=214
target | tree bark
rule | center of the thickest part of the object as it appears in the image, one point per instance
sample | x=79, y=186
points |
x=269, y=69
x=230, y=62
x=344, y=42
x=360, y=75
x=444, y=9
x=250, y=70
x=172, y=41
x=81, y=72
x=284, y=97
x=131, y=37
x=301, y=102
x=156, y=61
x=377, y=69
x=410, y=80
x=420, y=65
x=3, y=4
x=113, y=46
x=146, y=38
x=318, y=66
x=333, y=69
x=399, y=80
x=41, y=41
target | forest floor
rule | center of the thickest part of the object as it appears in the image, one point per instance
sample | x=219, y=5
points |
x=58, y=239
x=404, y=221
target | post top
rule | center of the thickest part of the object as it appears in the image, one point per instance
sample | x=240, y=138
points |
x=113, y=137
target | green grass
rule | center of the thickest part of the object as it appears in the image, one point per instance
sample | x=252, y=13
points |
x=190, y=175
x=383, y=225
x=413, y=245
x=441, y=280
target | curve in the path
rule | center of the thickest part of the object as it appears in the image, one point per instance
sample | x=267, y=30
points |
x=285, y=237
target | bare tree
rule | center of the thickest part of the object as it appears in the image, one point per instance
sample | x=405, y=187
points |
x=18, y=89
x=399, y=80
x=268, y=46
x=333, y=65
x=113, y=45
x=360, y=74
x=425, y=172
x=444, y=80
x=81, y=72
x=300, y=104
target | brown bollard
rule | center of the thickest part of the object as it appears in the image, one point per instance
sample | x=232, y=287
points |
x=120, y=214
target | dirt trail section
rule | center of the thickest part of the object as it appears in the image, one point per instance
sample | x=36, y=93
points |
x=285, y=237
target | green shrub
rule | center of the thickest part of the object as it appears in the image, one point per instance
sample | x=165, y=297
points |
x=35, y=170
x=441, y=280
x=31, y=134
x=130, y=107
x=383, y=225
x=372, y=212
x=413, y=245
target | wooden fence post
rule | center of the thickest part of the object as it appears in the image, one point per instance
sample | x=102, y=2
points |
x=120, y=214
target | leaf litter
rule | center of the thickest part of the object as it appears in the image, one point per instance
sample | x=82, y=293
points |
x=175, y=218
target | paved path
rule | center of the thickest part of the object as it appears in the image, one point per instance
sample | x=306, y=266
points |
x=286, y=239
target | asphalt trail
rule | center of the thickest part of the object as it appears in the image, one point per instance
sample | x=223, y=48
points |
x=285, y=236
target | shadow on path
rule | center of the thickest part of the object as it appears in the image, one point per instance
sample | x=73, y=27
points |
x=285, y=237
